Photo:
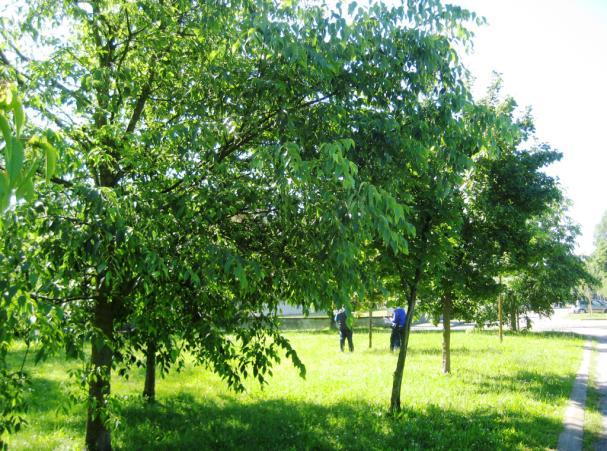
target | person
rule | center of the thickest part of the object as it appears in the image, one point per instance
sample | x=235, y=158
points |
x=345, y=332
x=398, y=325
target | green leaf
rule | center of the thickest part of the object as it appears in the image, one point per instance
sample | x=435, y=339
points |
x=51, y=160
x=6, y=97
x=26, y=190
x=4, y=200
x=5, y=128
x=18, y=114
x=16, y=160
x=4, y=183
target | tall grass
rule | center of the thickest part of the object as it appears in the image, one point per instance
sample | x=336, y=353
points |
x=499, y=396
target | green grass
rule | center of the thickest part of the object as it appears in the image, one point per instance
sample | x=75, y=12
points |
x=509, y=396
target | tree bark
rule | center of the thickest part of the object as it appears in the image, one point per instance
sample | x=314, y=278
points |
x=499, y=312
x=402, y=355
x=513, y=316
x=98, y=436
x=518, y=324
x=397, y=379
x=447, y=308
x=149, y=388
x=370, y=328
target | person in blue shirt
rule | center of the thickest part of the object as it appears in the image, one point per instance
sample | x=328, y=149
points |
x=341, y=319
x=398, y=326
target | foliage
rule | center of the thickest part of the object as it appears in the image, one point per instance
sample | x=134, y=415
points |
x=597, y=262
x=22, y=159
x=554, y=271
x=221, y=158
x=204, y=182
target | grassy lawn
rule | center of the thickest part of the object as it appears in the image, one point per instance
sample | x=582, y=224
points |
x=509, y=396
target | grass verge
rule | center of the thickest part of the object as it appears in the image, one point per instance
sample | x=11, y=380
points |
x=508, y=396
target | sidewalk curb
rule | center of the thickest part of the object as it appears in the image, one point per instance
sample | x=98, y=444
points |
x=601, y=366
x=573, y=434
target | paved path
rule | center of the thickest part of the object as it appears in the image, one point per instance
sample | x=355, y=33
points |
x=601, y=365
x=572, y=435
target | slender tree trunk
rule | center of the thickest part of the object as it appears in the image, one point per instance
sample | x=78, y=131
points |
x=447, y=308
x=370, y=328
x=402, y=355
x=97, y=434
x=404, y=342
x=499, y=312
x=149, y=388
x=518, y=324
x=513, y=316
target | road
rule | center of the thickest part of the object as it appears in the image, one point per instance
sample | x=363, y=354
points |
x=564, y=321
x=561, y=321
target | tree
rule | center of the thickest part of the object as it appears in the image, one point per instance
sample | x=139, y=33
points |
x=597, y=262
x=503, y=194
x=553, y=270
x=199, y=146
x=464, y=282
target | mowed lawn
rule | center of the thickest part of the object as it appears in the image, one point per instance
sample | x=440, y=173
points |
x=499, y=396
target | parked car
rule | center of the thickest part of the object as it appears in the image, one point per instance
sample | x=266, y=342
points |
x=598, y=306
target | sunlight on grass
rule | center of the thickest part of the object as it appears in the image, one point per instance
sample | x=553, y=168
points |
x=508, y=396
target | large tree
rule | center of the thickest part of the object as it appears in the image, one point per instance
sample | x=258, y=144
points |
x=203, y=173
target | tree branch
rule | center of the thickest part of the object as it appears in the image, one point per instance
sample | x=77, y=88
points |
x=59, y=301
x=143, y=97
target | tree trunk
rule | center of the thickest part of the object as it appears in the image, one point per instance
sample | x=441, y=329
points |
x=513, y=316
x=402, y=355
x=447, y=308
x=404, y=342
x=370, y=328
x=149, y=388
x=518, y=324
x=499, y=312
x=97, y=434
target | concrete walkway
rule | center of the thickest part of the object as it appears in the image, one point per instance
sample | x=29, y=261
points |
x=601, y=380
x=573, y=433
x=572, y=436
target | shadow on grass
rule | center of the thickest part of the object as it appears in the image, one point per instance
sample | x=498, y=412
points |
x=47, y=397
x=184, y=423
x=537, y=386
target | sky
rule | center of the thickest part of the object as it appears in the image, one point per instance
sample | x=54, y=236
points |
x=552, y=55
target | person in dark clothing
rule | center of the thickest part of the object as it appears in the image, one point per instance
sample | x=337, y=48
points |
x=398, y=326
x=345, y=332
